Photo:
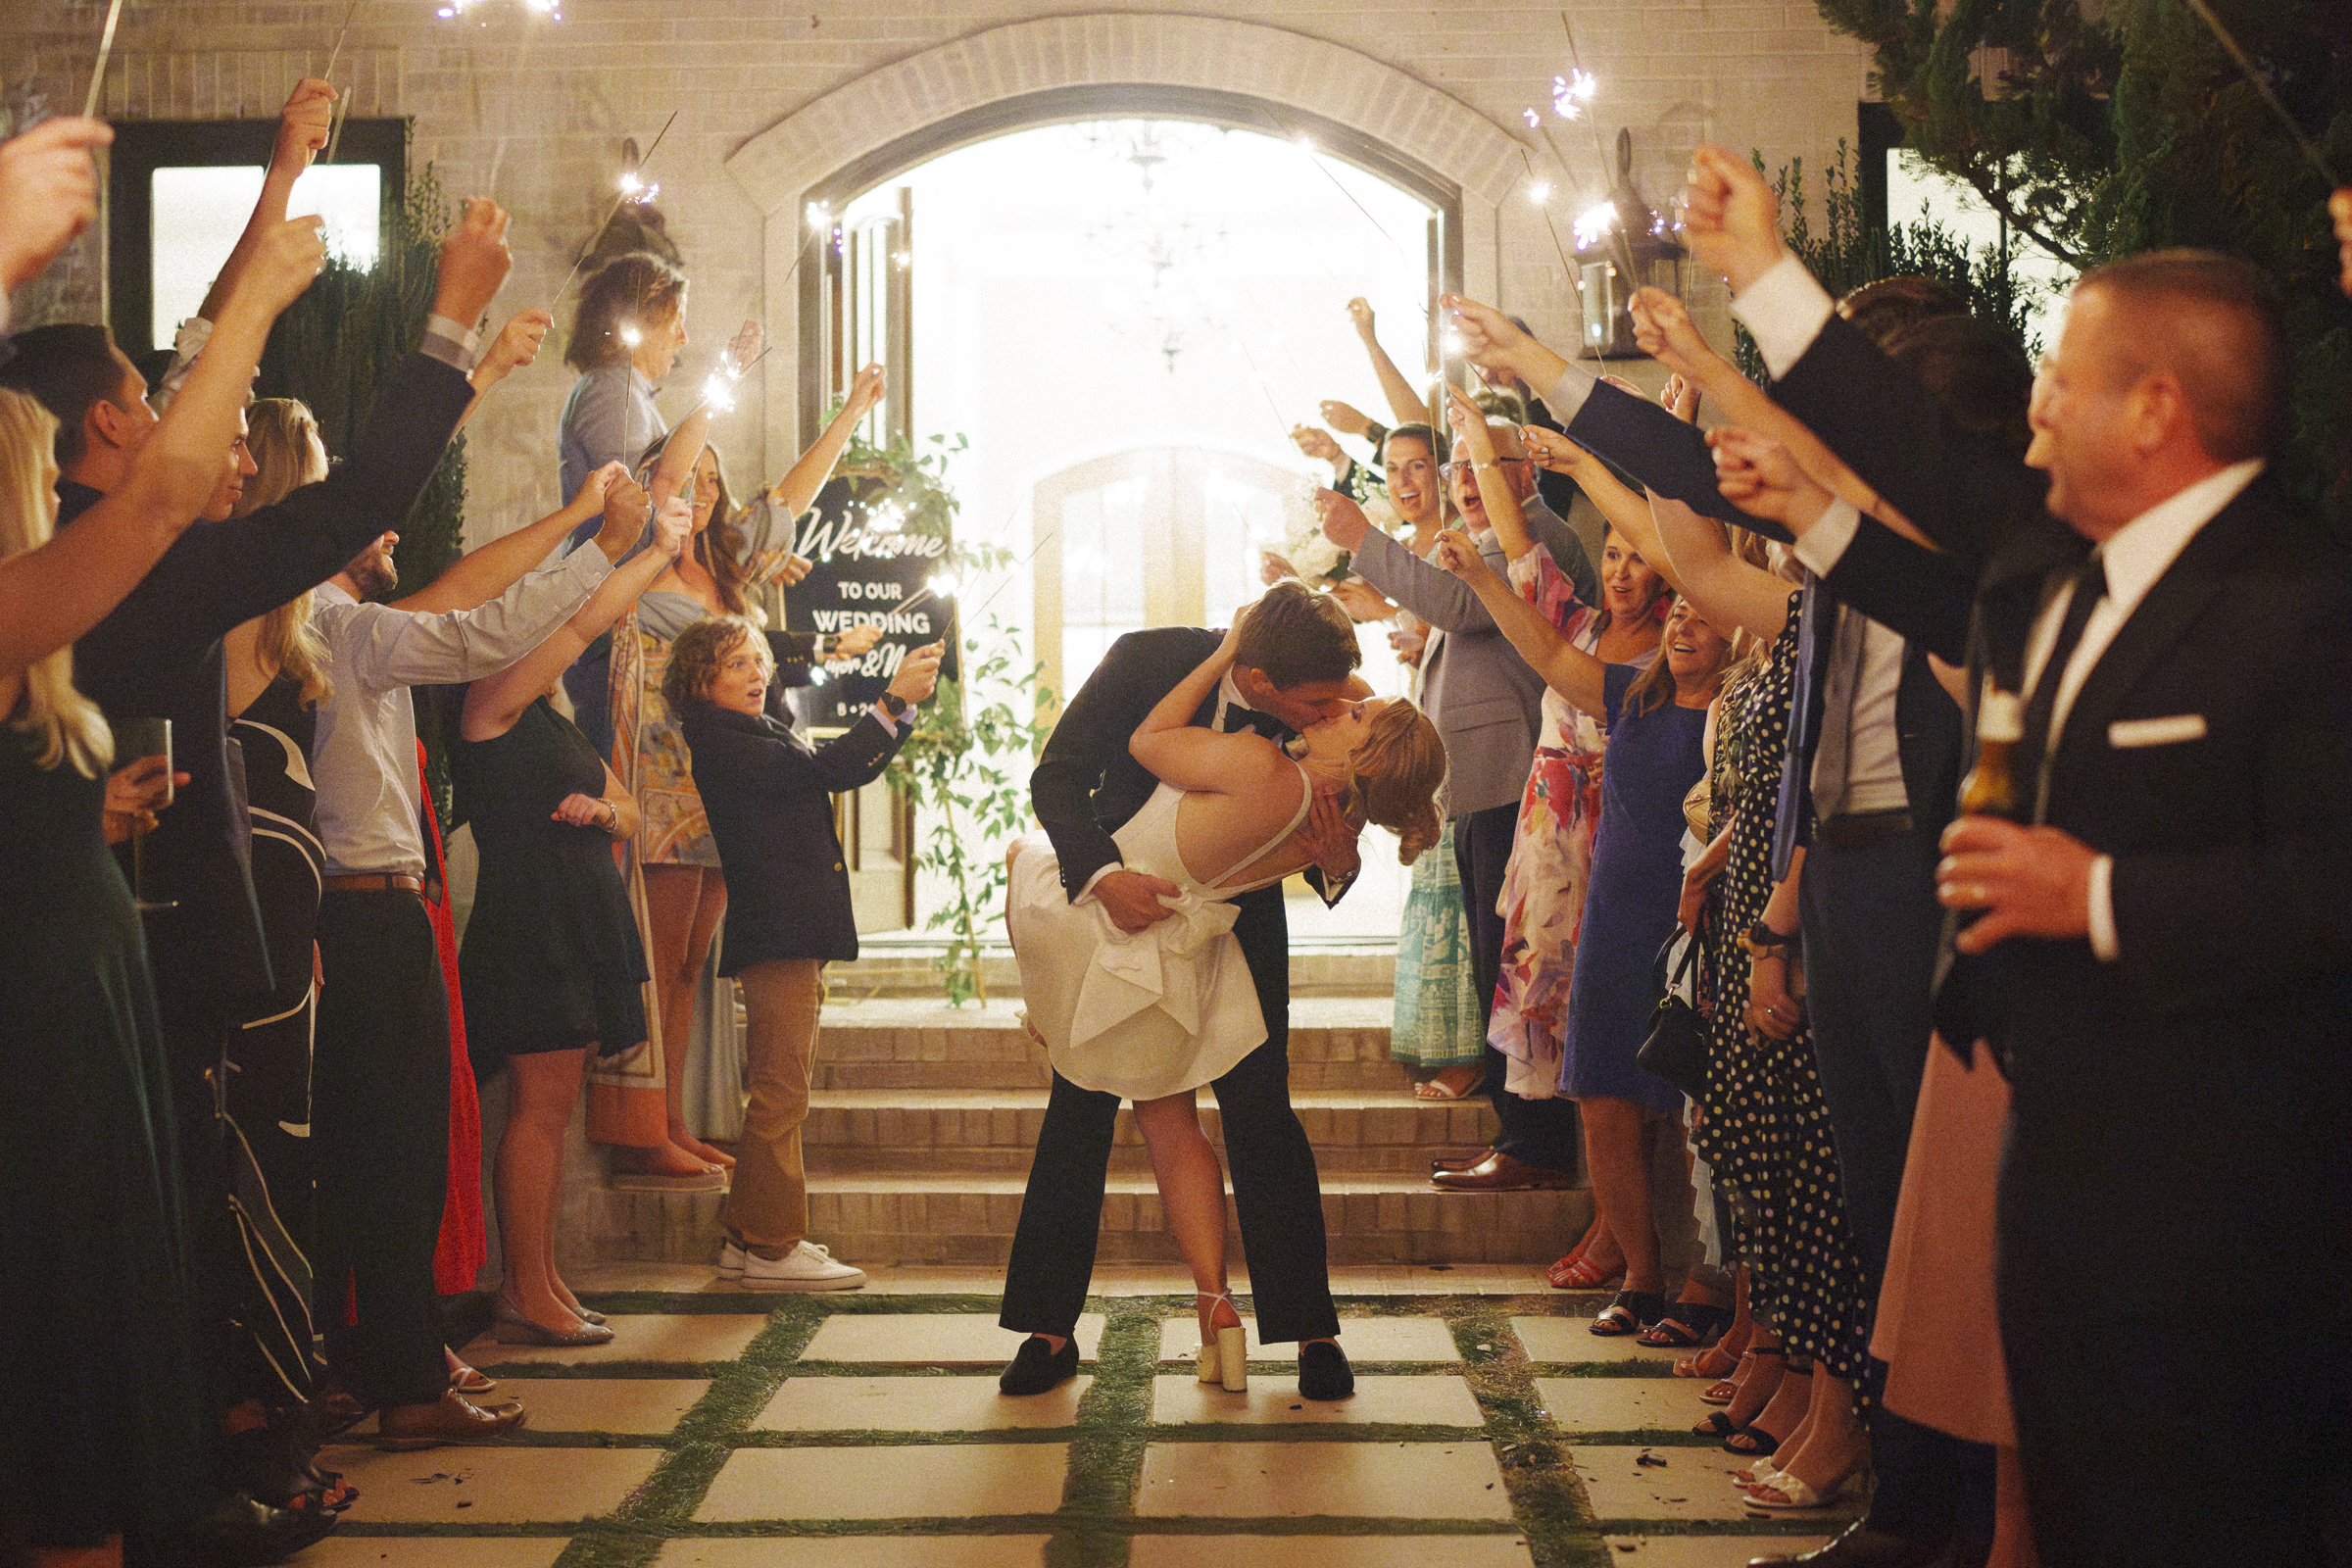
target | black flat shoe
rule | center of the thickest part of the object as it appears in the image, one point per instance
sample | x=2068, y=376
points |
x=1037, y=1368
x=1324, y=1372
x=241, y=1533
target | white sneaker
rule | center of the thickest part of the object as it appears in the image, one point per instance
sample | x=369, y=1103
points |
x=806, y=1267
x=730, y=1259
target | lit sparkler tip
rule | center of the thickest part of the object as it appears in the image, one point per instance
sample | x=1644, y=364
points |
x=1306, y=144
x=630, y=184
x=1539, y=192
x=1534, y=119
x=1595, y=221
x=631, y=336
x=819, y=214
x=719, y=393
x=944, y=585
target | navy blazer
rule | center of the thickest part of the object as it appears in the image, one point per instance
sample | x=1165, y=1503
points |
x=158, y=656
x=770, y=797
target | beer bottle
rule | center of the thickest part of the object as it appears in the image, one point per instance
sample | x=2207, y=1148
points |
x=1991, y=787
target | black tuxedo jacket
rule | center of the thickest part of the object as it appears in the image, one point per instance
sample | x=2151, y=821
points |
x=1086, y=785
x=159, y=655
x=769, y=795
x=2190, y=1098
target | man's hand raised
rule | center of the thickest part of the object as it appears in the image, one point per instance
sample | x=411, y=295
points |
x=1732, y=220
x=515, y=346
x=48, y=193
x=284, y=261
x=1132, y=898
x=626, y=511
x=474, y=262
x=1344, y=521
x=303, y=128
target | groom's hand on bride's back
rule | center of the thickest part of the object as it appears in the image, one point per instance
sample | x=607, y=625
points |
x=1132, y=898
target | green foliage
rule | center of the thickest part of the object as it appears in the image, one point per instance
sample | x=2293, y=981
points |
x=1846, y=253
x=334, y=346
x=2111, y=127
x=965, y=761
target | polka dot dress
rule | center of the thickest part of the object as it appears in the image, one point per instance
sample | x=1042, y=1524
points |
x=1766, y=1128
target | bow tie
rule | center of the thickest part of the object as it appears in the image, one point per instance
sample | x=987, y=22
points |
x=1239, y=719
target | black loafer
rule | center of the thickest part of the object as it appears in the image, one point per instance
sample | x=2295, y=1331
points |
x=1324, y=1372
x=1037, y=1368
x=242, y=1533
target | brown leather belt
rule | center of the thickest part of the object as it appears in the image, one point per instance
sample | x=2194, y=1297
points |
x=375, y=882
x=1851, y=830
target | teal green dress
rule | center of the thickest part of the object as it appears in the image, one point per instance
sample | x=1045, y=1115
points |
x=1437, y=1022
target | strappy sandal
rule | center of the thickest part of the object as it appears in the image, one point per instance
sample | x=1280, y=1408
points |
x=1577, y=1272
x=1728, y=1390
x=1629, y=1313
x=1687, y=1324
x=1225, y=1360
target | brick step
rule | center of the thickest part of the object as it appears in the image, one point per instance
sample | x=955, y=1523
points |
x=969, y=1219
x=901, y=964
x=874, y=1131
x=1337, y=1042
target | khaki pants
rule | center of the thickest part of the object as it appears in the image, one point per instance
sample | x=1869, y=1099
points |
x=770, y=1204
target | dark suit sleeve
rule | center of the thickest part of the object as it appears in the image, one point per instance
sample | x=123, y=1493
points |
x=1667, y=455
x=233, y=571
x=1967, y=492
x=795, y=656
x=1139, y=669
x=1904, y=586
x=857, y=756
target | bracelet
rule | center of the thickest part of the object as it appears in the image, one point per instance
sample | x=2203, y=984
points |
x=1763, y=942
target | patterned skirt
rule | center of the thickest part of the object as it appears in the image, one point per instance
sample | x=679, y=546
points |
x=1437, y=1022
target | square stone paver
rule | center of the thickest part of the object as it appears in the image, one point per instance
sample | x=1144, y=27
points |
x=1364, y=1339
x=1436, y=1401
x=491, y=1485
x=1704, y=1551
x=1329, y=1551
x=1692, y=1483
x=1622, y=1405
x=914, y=1404
x=684, y=1337
x=949, y=1481
x=937, y=1339
x=1571, y=1339
x=1292, y=1480
x=856, y=1551
x=434, y=1551
x=638, y=1406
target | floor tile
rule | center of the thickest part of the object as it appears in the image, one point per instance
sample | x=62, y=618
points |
x=1364, y=1339
x=1692, y=1484
x=1436, y=1401
x=490, y=1485
x=959, y=1480
x=1570, y=1339
x=914, y=1404
x=638, y=1406
x=1622, y=1405
x=1704, y=1551
x=434, y=1551
x=1328, y=1551
x=670, y=1279
x=636, y=1337
x=858, y=1551
x=940, y=1339
x=1291, y=1480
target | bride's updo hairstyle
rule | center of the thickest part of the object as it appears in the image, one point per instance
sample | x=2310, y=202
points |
x=1400, y=767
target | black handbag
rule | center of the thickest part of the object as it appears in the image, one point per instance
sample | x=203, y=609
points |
x=1675, y=1048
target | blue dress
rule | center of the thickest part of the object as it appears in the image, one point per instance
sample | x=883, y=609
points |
x=1652, y=761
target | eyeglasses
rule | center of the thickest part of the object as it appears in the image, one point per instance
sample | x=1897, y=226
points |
x=1446, y=470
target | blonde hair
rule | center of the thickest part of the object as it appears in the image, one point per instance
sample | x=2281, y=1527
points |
x=1399, y=766
x=63, y=724
x=288, y=453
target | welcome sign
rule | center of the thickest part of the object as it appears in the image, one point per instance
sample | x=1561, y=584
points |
x=862, y=575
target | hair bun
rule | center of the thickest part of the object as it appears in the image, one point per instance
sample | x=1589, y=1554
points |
x=1418, y=833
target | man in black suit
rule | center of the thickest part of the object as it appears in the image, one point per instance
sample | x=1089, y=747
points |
x=1297, y=664
x=159, y=655
x=2162, y=952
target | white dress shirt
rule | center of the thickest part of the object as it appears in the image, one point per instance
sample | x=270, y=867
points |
x=364, y=758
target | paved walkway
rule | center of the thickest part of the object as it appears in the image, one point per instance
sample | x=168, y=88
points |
x=726, y=1429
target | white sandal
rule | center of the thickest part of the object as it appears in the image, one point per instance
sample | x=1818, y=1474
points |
x=1226, y=1360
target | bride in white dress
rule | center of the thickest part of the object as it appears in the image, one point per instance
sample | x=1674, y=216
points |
x=1152, y=1015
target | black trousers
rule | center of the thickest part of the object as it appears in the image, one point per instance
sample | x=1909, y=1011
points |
x=1541, y=1132
x=1275, y=1188
x=380, y=1118
x=1871, y=930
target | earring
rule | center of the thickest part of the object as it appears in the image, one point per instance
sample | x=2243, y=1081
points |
x=1294, y=748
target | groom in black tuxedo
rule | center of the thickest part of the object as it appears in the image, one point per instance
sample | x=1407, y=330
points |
x=1296, y=664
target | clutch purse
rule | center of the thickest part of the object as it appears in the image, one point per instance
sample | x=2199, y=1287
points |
x=1675, y=1048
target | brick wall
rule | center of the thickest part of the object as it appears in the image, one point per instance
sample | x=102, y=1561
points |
x=772, y=96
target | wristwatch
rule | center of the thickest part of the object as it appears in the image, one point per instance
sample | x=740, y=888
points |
x=894, y=704
x=1763, y=942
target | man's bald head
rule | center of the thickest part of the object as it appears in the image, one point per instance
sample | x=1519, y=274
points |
x=2212, y=324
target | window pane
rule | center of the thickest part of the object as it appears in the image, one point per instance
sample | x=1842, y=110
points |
x=199, y=213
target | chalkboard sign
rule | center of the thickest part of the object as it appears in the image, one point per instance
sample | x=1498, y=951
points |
x=860, y=574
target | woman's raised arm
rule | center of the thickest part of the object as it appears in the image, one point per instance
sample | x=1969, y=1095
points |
x=1180, y=753
x=1566, y=669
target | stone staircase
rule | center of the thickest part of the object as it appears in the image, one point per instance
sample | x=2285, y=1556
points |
x=923, y=1118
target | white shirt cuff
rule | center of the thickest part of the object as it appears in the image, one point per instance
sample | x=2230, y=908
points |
x=1565, y=398
x=2103, y=943
x=453, y=343
x=1784, y=311
x=883, y=713
x=1087, y=892
x=1821, y=547
x=188, y=342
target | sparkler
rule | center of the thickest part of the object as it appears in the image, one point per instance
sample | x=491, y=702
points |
x=633, y=188
x=1541, y=190
x=342, y=107
x=1581, y=90
x=106, y=47
x=1306, y=145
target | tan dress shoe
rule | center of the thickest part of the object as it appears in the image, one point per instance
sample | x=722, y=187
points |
x=452, y=1418
x=1502, y=1173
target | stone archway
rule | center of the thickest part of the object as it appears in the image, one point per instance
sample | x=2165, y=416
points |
x=1059, y=68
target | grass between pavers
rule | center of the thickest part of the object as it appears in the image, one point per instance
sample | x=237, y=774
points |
x=1107, y=1437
